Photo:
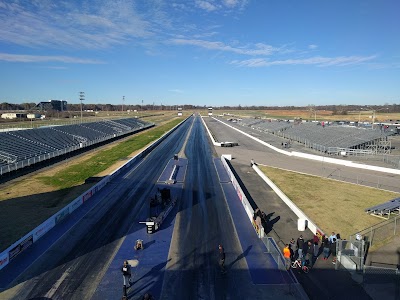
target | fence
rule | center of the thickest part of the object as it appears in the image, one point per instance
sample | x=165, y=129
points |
x=272, y=249
x=380, y=233
x=388, y=279
x=350, y=253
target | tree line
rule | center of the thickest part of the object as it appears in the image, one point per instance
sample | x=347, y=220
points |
x=335, y=109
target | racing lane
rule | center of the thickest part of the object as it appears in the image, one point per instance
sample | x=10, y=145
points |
x=74, y=265
x=203, y=222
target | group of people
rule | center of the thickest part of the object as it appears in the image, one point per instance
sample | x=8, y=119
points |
x=309, y=251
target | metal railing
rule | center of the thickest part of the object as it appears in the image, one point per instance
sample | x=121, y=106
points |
x=350, y=253
x=274, y=251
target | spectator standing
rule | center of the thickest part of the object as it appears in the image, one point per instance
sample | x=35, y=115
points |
x=308, y=252
x=221, y=253
x=126, y=273
x=331, y=237
x=326, y=247
x=286, y=255
x=300, y=245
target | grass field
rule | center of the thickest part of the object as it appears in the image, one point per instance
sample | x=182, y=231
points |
x=27, y=202
x=332, y=205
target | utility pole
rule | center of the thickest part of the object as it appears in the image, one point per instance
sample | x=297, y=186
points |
x=81, y=98
x=123, y=99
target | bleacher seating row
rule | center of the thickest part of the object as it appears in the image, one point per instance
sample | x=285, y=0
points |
x=21, y=145
x=385, y=209
x=323, y=137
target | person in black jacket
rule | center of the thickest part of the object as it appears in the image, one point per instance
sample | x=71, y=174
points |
x=300, y=245
x=325, y=247
x=126, y=273
x=221, y=253
x=308, y=251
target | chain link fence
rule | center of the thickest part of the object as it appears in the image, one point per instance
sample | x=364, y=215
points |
x=381, y=233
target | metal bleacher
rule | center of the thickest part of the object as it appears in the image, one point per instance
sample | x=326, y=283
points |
x=21, y=148
x=330, y=139
x=384, y=210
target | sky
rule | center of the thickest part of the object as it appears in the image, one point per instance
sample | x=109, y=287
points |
x=201, y=52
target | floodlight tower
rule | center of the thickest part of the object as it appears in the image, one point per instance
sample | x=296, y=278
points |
x=81, y=98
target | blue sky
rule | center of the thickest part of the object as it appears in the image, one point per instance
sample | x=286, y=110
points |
x=205, y=52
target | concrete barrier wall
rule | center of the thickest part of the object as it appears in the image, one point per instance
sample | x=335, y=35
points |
x=318, y=157
x=243, y=199
x=23, y=243
x=210, y=134
x=299, y=213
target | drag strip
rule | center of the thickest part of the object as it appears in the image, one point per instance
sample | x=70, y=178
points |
x=73, y=267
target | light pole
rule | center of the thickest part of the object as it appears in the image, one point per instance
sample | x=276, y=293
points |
x=123, y=99
x=359, y=116
x=374, y=115
x=81, y=98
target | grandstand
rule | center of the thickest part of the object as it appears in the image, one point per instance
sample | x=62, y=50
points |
x=384, y=210
x=22, y=148
x=330, y=139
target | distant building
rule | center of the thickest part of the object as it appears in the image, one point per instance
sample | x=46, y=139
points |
x=60, y=105
x=33, y=116
x=13, y=116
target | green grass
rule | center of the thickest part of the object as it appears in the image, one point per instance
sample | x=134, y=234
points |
x=76, y=174
x=332, y=205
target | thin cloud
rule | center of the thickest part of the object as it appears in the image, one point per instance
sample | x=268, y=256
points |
x=213, y=6
x=177, y=91
x=312, y=47
x=206, y=5
x=39, y=58
x=318, y=61
x=257, y=49
x=68, y=24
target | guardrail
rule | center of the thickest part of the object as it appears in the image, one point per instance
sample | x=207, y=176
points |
x=33, y=236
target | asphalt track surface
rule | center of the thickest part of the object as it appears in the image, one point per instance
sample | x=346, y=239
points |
x=73, y=267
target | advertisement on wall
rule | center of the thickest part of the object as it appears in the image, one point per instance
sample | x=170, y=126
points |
x=61, y=215
x=75, y=204
x=3, y=260
x=20, y=247
x=42, y=229
x=87, y=196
